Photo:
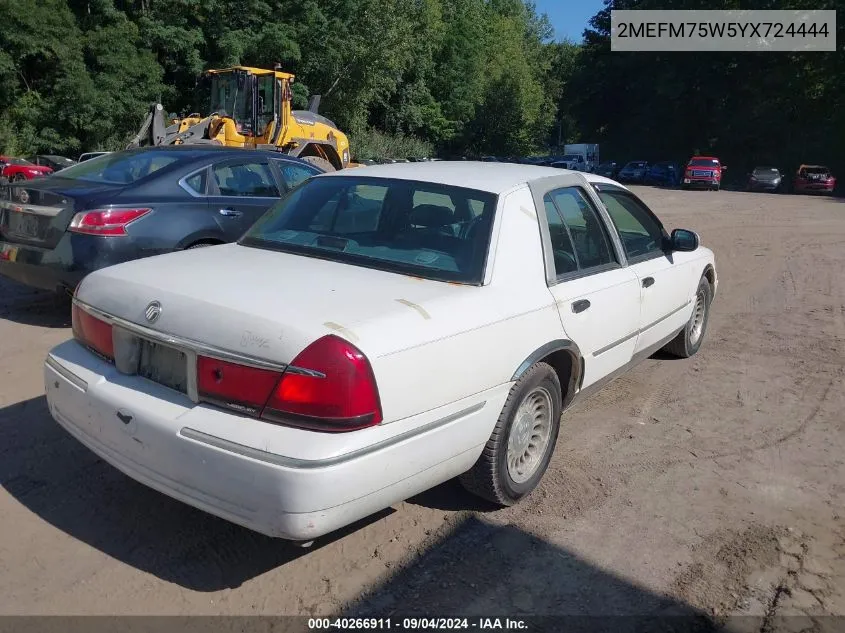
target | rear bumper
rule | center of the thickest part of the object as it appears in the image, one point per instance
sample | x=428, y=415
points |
x=232, y=466
x=814, y=189
x=63, y=267
x=33, y=267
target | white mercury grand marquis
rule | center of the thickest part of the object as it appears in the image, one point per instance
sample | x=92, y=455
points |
x=379, y=331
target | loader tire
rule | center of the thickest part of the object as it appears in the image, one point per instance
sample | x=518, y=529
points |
x=320, y=162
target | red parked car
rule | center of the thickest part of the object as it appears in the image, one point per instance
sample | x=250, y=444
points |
x=813, y=179
x=704, y=172
x=13, y=169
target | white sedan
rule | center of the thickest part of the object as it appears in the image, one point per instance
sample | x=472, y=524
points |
x=376, y=333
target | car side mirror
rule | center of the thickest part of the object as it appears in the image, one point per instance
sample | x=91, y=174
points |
x=684, y=240
x=724, y=168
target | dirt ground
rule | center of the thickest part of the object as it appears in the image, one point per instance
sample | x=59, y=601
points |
x=713, y=485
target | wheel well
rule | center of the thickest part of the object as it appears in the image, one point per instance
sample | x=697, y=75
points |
x=209, y=241
x=711, y=276
x=323, y=151
x=568, y=369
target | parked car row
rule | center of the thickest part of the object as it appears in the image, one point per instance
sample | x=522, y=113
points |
x=56, y=230
x=276, y=381
x=707, y=172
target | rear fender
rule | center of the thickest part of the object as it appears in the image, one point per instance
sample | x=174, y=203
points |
x=551, y=349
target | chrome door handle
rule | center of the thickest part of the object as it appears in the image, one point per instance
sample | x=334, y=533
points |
x=230, y=213
x=580, y=306
x=648, y=281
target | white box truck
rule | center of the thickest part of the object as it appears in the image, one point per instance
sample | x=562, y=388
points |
x=582, y=156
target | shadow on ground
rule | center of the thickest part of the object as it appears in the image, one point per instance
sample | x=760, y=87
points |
x=481, y=570
x=49, y=472
x=33, y=307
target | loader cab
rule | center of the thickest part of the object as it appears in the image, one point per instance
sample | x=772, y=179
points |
x=256, y=101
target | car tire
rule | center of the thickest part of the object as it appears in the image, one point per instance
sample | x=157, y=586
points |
x=18, y=178
x=688, y=341
x=202, y=245
x=320, y=162
x=508, y=469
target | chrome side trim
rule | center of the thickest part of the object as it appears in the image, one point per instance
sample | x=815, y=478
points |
x=640, y=331
x=309, y=464
x=606, y=348
x=66, y=373
x=664, y=317
x=184, y=344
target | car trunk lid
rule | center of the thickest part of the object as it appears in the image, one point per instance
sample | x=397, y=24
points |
x=264, y=304
x=39, y=213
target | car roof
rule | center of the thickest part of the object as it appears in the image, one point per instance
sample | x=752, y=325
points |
x=705, y=157
x=490, y=177
x=201, y=152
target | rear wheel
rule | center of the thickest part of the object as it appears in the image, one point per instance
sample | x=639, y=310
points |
x=688, y=340
x=18, y=178
x=320, y=162
x=203, y=245
x=518, y=452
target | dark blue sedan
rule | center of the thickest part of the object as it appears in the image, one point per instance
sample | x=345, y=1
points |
x=133, y=204
x=664, y=174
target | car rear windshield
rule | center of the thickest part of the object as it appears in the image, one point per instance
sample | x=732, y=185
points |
x=765, y=171
x=704, y=162
x=817, y=170
x=121, y=168
x=417, y=228
x=19, y=161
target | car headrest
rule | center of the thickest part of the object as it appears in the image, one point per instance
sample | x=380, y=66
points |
x=432, y=216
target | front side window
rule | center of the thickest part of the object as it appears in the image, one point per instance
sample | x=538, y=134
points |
x=421, y=229
x=589, y=236
x=245, y=179
x=641, y=233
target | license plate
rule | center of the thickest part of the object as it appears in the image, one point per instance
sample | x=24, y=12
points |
x=165, y=365
x=23, y=224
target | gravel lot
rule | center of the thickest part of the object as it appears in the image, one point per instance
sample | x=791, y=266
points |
x=714, y=484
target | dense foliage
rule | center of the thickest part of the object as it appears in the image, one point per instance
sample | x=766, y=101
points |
x=467, y=74
x=456, y=76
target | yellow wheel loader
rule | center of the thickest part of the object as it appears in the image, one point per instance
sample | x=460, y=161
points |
x=251, y=108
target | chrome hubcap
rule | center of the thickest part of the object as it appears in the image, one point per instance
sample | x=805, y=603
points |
x=698, y=317
x=529, y=435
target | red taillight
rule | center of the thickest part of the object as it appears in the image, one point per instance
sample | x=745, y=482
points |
x=329, y=386
x=92, y=332
x=234, y=385
x=105, y=221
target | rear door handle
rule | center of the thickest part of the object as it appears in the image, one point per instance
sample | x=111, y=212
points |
x=230, y=213
x=580, y=306
x=648, y=281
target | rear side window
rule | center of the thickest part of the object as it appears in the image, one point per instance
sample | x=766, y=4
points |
x=422, y=229
x=245, y=179
x=562, y=250
x=197, y=182
x=587, y=232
